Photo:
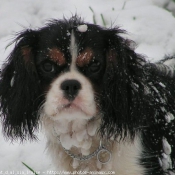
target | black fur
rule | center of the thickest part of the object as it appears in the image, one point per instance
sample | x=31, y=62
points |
x=133, y=99
x=19, y=90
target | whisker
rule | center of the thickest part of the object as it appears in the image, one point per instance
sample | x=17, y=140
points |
x=41, y=106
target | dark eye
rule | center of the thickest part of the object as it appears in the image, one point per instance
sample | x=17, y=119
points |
x=94, y=66
x=48, y=67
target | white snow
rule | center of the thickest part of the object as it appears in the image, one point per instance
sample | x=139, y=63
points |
x=166, y=163
x=166, y=146
x=82, y=28
x=76, y=135
x=169, y=117
x=147, y=23
x=160, y=162
x=12, y=81
x=75, y=163
x=66, y=141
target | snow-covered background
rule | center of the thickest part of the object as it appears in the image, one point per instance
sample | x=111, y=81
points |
x=147, y=22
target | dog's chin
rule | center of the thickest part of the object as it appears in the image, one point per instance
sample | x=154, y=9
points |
x=71, y=108
x=71, y=112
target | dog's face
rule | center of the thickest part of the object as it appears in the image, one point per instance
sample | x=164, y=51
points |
x=71, y=69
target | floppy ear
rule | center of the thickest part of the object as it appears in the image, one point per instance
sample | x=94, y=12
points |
x=131, y=95
x=19, y=89
x=123, y=87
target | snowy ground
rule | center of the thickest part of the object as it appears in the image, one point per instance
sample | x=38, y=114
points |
x=147, y=23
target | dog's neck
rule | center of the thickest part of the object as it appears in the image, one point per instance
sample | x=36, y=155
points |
x=77, y=133
x=123, y=153
x=80, y=142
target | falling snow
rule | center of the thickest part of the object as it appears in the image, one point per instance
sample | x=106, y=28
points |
x=151, y=41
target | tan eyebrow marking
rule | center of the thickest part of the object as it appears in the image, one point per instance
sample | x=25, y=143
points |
x=26, y=53
x=84, y=57
x=57, y=56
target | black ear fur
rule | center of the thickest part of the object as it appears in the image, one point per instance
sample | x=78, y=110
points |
x=19, y=89
x=132, y=98
x=124, y=88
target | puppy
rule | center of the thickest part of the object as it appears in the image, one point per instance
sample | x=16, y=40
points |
x=103, y=107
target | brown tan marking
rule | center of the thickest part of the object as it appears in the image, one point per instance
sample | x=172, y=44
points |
x=57, y=56
x=26, y=53
x=112, y=55
x=85, y=57
x=28, y=58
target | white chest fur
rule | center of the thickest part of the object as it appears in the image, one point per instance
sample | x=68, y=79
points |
x=80, y=137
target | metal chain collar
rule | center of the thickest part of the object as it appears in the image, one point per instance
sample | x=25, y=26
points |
x=96, y=153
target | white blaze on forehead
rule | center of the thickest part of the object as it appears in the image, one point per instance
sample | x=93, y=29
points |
x=73, y=51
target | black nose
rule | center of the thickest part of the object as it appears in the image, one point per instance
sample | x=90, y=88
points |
x=70, y=88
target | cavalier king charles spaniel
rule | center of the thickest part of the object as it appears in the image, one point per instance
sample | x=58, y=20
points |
x=103, y=106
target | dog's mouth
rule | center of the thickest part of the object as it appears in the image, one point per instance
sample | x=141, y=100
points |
x=70, y=105
x=73, y=107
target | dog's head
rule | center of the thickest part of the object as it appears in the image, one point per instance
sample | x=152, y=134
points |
x=72, y=69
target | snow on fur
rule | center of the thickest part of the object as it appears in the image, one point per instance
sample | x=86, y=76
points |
x=136, y=16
